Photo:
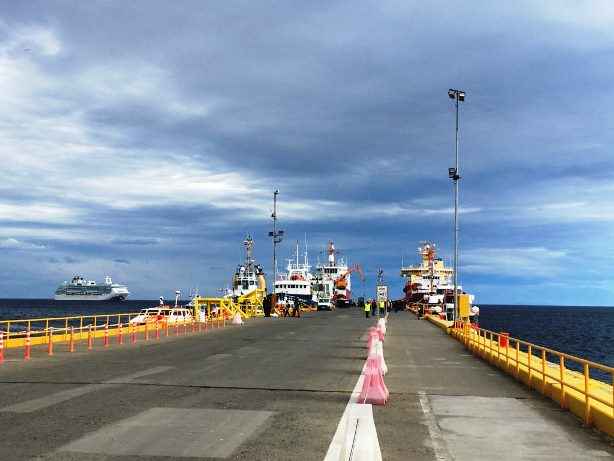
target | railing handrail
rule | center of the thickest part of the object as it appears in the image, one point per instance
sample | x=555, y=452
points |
x=72, y=317
x=552, y=351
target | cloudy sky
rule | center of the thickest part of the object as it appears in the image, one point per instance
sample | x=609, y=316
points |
x=144, y=139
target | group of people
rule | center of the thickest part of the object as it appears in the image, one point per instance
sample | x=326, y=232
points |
x=372, y=307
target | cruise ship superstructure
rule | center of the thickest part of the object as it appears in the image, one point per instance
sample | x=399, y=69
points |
x=80, y=289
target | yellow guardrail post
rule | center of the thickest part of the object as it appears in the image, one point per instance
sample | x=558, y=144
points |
x=562, y=378
x=587, y=408
x=517, y=359
x=50, y=341
x=530, y=354
x=543, y=371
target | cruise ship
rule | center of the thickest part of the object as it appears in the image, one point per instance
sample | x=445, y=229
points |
x=80, y=289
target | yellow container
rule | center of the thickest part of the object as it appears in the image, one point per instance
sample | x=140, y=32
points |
x=464, y=305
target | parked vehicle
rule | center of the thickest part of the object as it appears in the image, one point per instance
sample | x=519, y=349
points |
x=179, y=315
x=150, y=315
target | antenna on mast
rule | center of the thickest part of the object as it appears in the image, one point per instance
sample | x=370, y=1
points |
x=277, y=236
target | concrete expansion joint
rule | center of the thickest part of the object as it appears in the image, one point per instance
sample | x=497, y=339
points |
x=186, y=386
x=452, y=394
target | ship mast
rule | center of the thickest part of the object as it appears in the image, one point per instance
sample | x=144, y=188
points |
x=277, y=236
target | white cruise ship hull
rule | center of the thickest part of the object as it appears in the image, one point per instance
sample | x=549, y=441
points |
x=119, y=295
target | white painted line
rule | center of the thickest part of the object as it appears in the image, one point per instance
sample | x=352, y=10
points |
x=58, y=397
x=437, y=440
x=358, y=441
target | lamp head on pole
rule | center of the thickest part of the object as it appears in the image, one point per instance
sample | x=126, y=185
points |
x=456, y=94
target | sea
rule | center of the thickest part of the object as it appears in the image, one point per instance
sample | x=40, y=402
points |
x=583, y=331
x=14, y=309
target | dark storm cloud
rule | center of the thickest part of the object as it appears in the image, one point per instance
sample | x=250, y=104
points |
x=341, y=106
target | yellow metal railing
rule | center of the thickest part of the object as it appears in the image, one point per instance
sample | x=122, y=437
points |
x=45, y=331
x=589, y=398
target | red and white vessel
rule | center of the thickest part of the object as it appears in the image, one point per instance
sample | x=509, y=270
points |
x=333, y=283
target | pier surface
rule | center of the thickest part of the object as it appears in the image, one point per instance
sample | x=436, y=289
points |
x=275, y=389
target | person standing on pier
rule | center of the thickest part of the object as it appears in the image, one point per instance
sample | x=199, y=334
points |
x=367, y=308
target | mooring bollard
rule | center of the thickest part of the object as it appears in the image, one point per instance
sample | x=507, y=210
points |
x=28, y=346
x=1, y=347
x=50, y=342
x=90, y=339
x=71, y=343
x=120, y=333
x=106, y=335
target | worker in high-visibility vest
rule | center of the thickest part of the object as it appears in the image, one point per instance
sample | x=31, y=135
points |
x=367, y=308
x=382, y=307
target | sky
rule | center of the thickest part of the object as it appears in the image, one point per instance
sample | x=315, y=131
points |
x=144, y=140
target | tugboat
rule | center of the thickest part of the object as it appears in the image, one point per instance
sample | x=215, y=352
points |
x=80, y=289
x=249, y=276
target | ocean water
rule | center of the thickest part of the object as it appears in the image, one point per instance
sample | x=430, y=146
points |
x=586, y=332
x=12, y=309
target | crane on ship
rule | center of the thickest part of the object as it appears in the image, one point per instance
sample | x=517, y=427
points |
x=341, y=282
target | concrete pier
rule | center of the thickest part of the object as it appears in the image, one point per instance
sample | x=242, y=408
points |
x=275, y=389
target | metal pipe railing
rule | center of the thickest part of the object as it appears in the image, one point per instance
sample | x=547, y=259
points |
x=537, y=367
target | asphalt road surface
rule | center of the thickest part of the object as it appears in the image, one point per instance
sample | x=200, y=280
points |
x=275, y=389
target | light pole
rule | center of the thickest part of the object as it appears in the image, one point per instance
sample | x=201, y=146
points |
x=453, y=173
x=277, y=236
